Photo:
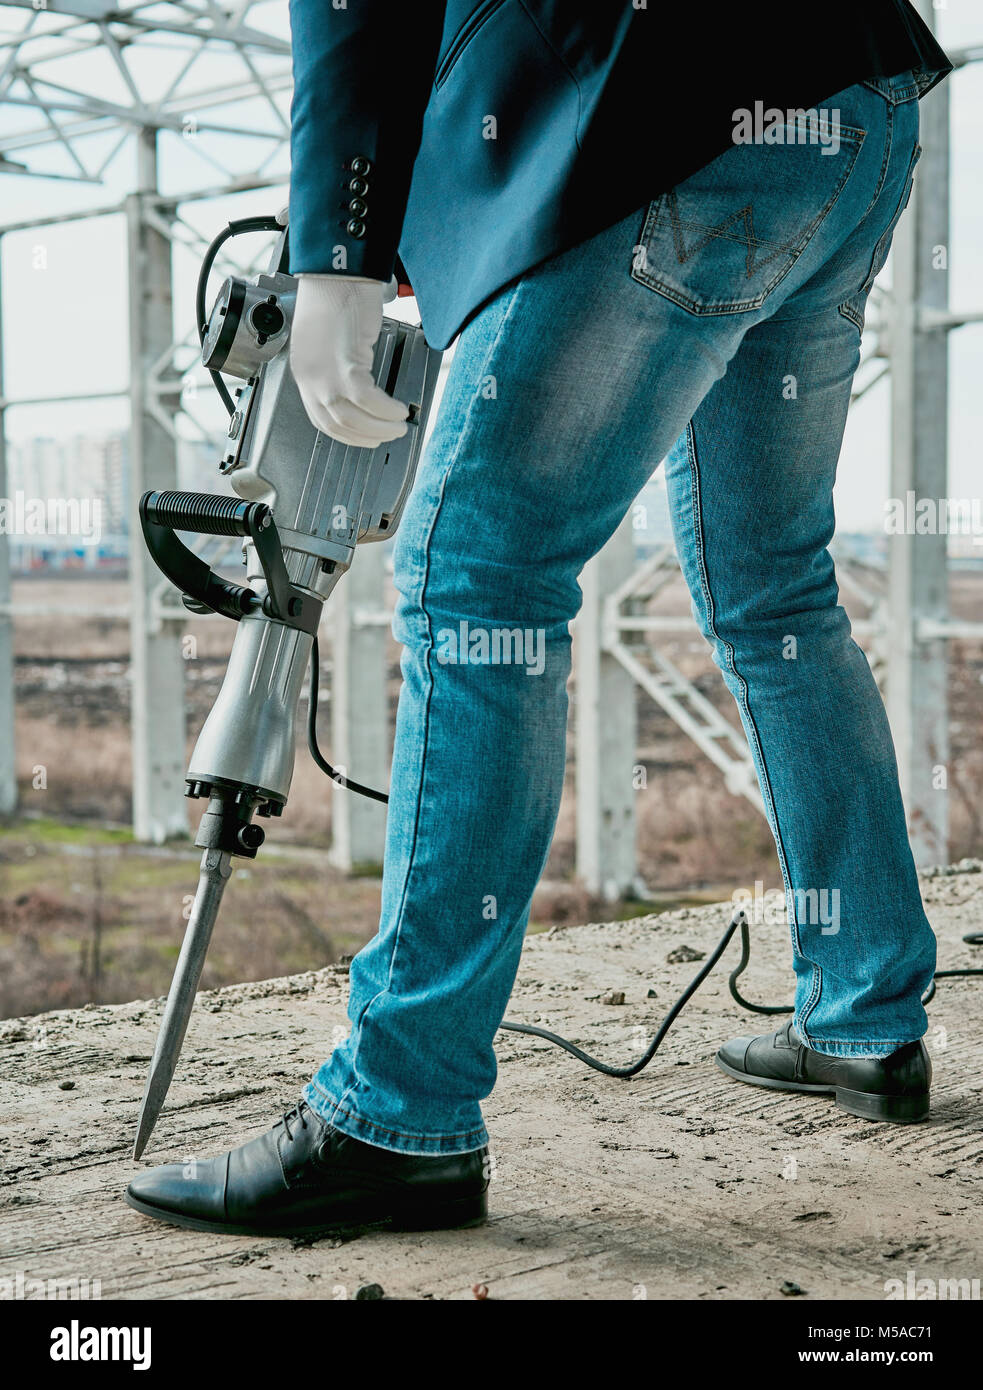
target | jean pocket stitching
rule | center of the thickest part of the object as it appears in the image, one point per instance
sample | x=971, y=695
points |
x=854, y=137
x=855, y=315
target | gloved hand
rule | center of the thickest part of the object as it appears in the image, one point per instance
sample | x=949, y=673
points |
x=336, y=322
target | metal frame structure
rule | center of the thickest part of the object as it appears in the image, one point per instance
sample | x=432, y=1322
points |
x=617, y=635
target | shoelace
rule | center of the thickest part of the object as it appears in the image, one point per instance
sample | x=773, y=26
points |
x=297, y=1111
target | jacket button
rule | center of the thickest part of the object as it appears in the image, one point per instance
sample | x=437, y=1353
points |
x=359, y=186
x=358, y=206
x=356, y=228
x=360, y=165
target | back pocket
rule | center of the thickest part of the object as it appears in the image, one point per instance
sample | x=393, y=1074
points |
x=720, y=242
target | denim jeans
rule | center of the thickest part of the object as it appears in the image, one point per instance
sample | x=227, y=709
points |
x=718, y=329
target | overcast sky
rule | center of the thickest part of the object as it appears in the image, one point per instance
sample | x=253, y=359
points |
x=65, y=322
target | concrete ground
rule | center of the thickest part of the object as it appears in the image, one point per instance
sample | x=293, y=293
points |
x=677, y=1184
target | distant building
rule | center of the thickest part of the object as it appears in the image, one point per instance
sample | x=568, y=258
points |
x=82, y=478
x=92, y=471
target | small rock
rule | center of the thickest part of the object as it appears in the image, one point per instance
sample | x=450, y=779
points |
x=66, y=1085
x=790, y=1289
x=682, y=954
x=651, y=994
x=370, y=1291
x=479, y=1290
x=613, y=996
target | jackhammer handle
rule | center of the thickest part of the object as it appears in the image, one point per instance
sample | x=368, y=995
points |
x=204, y=512
x=163, y=513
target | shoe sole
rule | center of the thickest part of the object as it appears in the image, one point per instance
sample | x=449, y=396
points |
x=899, y=1110
x=465, y=1212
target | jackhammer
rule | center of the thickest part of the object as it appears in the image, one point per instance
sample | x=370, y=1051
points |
x=327, y=498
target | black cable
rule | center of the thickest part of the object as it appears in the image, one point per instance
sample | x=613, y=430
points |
x=664, y=1026
x=236, y=228
x=738, y=920
x=322, y=762
x=973, y=938
x=735, y=975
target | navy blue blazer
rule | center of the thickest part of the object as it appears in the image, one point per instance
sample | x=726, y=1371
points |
x=509, y=130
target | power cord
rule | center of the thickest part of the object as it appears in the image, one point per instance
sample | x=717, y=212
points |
x=236, y=228
x=739, y=920
x=315, y=751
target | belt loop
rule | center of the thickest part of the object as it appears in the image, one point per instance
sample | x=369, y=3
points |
x=903, y=86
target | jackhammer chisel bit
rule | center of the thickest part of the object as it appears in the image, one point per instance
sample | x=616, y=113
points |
x=216, y=867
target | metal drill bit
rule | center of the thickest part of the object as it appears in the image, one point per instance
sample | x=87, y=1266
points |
x=216, y=866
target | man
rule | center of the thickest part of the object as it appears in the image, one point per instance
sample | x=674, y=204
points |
x=655, y=235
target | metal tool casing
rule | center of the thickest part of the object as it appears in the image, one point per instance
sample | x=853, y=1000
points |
x=248, y=324
x=249, y=735
x=326, y=498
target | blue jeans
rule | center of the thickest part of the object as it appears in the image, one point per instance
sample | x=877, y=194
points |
x=719, y=326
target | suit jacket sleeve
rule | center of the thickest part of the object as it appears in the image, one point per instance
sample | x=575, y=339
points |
x=362, y=79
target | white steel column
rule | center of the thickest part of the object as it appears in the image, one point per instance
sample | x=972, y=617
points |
x=917, y=697
x=605, y=732
x=157, y=695
x=360, y=709
x=8, y=766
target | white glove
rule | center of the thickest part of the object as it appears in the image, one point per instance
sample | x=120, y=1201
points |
x=337, y=320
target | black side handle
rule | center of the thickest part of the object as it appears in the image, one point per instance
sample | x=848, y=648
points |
x=204, y=512
x=163, y=513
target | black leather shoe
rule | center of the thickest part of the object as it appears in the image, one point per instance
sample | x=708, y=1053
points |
x=878, y=1088
x=304, y=1177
